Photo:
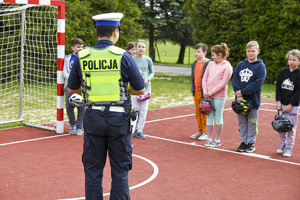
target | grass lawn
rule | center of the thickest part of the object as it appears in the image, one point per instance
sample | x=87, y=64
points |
x=175, y=90
x=170, y=90
x=167, y=53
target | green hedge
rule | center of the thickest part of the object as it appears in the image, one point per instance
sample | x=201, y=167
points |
x=274, y=24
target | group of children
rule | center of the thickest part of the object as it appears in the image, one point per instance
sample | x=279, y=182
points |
x=145, y=65
x=209, y=80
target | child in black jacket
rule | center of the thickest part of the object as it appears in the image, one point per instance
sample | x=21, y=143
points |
x=287, y=99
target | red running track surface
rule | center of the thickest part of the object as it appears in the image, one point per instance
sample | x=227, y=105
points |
x=168, y=165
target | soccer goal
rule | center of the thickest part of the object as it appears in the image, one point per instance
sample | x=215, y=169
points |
x=32, y=39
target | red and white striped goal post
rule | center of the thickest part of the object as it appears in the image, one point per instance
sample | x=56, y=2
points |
x=60, y=52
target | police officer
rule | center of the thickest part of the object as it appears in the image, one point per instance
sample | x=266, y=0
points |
x=101, y=74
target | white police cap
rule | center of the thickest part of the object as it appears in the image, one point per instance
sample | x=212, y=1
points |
x=108, y=19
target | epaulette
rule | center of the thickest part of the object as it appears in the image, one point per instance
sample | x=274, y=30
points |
x=116, y=50
x=84, y=52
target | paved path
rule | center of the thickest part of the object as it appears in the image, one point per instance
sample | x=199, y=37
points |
x=168, y=69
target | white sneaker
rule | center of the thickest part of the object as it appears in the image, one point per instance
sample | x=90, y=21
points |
x=72, y=129
x=215, y=144
x=203, y=137
x=281, y=147
x=197, y=135
x=207, y=143
x=78, y=131
x=288, y=152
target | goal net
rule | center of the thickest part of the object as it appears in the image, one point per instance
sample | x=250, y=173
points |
x=29, y=65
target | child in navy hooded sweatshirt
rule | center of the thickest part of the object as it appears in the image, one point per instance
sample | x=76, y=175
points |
x=248, y=78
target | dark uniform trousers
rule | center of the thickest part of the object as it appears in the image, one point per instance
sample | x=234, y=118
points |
x=100, y=137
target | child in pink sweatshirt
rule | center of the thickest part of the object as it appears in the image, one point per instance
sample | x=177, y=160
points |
x=215, y=84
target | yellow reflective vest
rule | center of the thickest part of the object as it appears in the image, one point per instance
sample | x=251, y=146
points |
x=101, y=73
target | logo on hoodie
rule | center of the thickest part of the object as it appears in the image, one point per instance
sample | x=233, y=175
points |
x=287, y=84
x=245, y=75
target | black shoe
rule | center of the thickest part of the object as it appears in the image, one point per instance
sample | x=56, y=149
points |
x=242, y=147
x=250, y=148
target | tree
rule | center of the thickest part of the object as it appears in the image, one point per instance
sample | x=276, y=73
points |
x=151, y=20
x=274, y=24
x=177, y=28
x=217, y=21
x=165, y=20
x=79, y=22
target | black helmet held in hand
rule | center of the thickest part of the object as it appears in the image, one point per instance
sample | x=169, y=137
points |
x=241, y=107
x=281, y=124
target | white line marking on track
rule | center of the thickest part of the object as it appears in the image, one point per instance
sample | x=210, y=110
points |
x=35, y=139
x=152, y=177
x=177, y=117
x=268, y=103
x=219, y=149
x=228, y=151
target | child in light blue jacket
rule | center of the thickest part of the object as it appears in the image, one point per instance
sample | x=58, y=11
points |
x=76, y=46
x=145, y=66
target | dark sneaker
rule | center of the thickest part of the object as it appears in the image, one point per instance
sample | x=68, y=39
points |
x=250, y=148
x=134, y=133
x=140, y=135
x=242, y=147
